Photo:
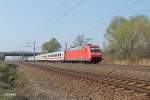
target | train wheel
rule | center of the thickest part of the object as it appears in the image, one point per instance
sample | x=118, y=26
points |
x=96, y=60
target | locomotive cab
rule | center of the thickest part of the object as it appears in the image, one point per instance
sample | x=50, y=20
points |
x=96, y=54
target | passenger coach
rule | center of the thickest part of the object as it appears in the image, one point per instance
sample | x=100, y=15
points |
x=55, y=56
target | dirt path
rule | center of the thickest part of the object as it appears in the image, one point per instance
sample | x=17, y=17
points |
x=39, y=82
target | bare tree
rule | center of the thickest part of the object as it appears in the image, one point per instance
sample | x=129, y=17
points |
x=79, y=41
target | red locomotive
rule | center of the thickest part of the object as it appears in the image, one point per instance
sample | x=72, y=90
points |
x=87, y=53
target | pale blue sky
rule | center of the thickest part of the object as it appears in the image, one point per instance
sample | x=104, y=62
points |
x=24, y=21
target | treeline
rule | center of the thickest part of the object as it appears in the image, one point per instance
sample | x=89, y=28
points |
x=128, y=38
x=53, y=45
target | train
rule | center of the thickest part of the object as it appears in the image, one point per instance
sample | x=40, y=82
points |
x=87, y=53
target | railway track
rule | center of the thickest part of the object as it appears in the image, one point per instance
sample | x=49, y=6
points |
x=135, y=85
x=133, y=68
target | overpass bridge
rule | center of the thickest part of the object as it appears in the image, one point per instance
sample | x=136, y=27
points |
x=25, y=54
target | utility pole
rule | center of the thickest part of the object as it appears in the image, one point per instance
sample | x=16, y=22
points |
x=66, y=46
x=23, y=53
x=34, y=52
x=33, y=46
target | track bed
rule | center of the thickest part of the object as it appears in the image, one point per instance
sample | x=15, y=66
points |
x=132, y=84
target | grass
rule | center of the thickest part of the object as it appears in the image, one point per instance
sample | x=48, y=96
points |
x=110, y=60
x=6, y=79
x=9, y=82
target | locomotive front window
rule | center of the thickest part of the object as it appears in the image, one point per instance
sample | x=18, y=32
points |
x=95, y=49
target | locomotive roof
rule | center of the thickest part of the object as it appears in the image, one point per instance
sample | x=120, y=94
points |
x=79, y=47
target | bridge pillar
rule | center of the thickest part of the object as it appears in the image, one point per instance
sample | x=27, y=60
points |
x=2, y=57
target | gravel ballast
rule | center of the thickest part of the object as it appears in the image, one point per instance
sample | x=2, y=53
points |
x=55, y=86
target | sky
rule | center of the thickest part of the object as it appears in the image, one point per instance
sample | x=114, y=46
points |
x=25, y=21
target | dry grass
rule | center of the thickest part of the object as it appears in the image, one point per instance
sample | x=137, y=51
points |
x=109, y=60
x=144, y=62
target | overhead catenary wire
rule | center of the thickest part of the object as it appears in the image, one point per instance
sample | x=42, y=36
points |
x=78, y=4
x=73, y=8
x=66, y=13
x=101, y=26
x=144, y=11
x=128, y=5
x=133, y=2
x=54, y=14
